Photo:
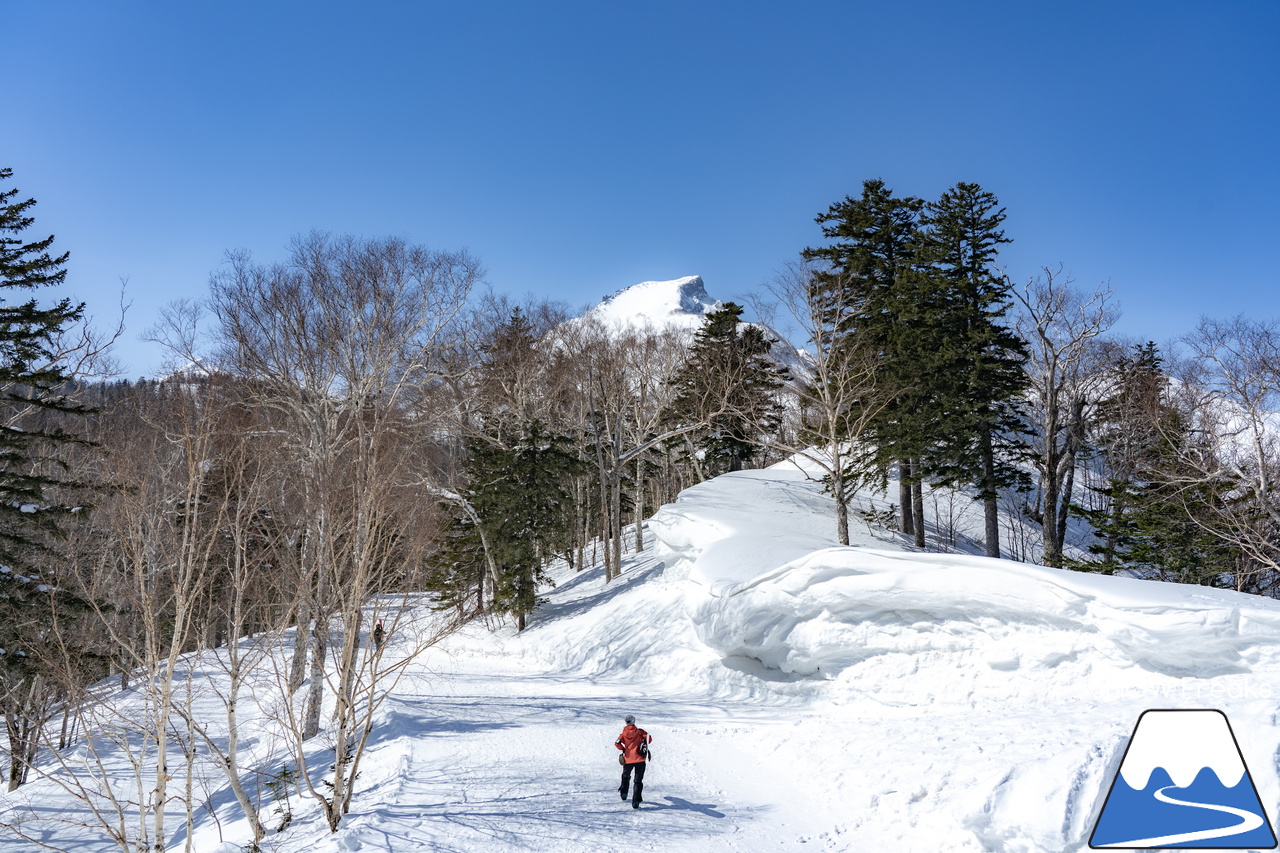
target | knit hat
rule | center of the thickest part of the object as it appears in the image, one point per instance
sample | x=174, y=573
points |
x=629, y=720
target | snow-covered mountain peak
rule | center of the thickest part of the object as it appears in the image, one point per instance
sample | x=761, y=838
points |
x=682, y=302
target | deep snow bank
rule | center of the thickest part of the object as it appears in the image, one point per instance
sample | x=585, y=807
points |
x=770, y=583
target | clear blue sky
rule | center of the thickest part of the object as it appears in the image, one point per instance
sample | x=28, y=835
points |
x=576, y=148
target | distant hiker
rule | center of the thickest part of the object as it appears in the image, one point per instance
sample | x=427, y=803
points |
x=634, y=744
x=378, y=636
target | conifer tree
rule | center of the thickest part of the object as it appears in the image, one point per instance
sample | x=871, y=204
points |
x=1132, y=439
x=33, y=403
x=982, y=379
x=33, y=385
x=522, y=496
x=458, y=564
x=870, y=276
x=730, y=382
x=1157, y=521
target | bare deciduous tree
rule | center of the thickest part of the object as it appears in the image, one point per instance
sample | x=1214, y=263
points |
x=840, y=393
x=1061, y=326
x=1230, y=388
x=337, y=340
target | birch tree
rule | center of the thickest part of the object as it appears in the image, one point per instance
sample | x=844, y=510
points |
x=841, y=391
x=336, y=339
x=1062, y=327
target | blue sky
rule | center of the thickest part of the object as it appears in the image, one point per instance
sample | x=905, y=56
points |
x=577, y=148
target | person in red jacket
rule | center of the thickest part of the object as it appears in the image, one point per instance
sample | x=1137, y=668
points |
x=634, y=744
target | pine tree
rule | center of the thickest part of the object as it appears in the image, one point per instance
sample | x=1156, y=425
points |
x=983, y=378
x=1157, y=519
x=458, y=565
x=33, y=404
x=730, y=381
x=33, y=385
x=1129, y=435
x=1158, y=507
x=520, y=490
x=881, y=303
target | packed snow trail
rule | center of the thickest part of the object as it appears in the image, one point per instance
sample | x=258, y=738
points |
x=801, y=695
x=497, y=754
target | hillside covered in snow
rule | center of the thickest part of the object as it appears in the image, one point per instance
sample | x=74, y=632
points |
x=682, y=303
x=801, y=695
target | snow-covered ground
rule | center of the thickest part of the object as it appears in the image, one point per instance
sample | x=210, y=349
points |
x=801, y=695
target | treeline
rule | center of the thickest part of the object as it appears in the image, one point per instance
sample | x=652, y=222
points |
x=929, y=362
x=359, y=429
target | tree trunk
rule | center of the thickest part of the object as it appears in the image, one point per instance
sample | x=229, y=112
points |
x=1075, y=440
x=904, y=496
x=990, y=506
x=842, y=502
x=1049, y=517
x=1065, y=506
x=315, y=693
x=301, y=640
x=639, y=505
x=917, y=510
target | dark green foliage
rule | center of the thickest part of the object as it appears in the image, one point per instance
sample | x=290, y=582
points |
x=730, y=383
x=916, y=285
x=1161, y=532
x=34, y=407
x=33, y=383
x=981, y=379
x=1160, y=508
x=880, y=301
x=520, y=490
x=522, y=494
x=458, y=565
x=1159, y=522
x=1130, y=419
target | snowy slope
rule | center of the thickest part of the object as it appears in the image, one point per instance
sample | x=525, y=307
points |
x=802, y=696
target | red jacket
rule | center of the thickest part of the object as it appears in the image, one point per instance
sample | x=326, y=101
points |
x=629, y=742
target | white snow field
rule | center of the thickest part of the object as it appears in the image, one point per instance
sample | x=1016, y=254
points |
x=801, y=695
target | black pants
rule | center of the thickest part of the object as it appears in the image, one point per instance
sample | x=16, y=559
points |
x=626, y=780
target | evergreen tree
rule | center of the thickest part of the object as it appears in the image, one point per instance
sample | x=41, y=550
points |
x=521, y=493
x=1157, y=519
x=982, y=380
x=458, y=565
x=1129, y=435
x=33, y=406
x=730, y=381
x=881, y=302
x=33, y=386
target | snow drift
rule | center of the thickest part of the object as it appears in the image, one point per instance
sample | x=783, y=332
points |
x=802, y=695
x=776, y=588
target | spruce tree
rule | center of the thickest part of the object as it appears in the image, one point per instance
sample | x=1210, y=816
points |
x=981, y=379
x=520, y=489
x=33, y=406
x=33, y=385
x=1156, y=523
x=729, y=380
x=458, y=565
x=870, y=274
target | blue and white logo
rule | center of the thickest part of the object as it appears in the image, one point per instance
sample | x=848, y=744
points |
x=1183, y=783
